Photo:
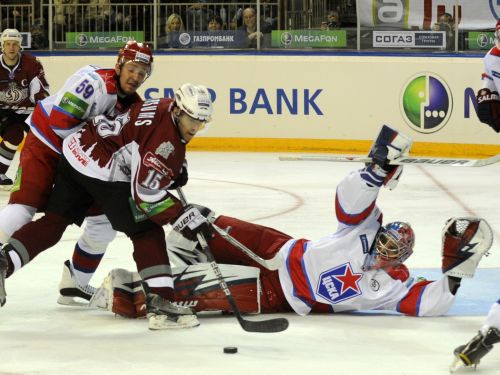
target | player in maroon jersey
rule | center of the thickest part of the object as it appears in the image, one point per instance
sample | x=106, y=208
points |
x=140, y=151
x=22, y=84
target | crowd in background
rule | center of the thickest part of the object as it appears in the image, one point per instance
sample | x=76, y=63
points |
x=187, y=15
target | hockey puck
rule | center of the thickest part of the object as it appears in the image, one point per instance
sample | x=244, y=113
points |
x=230, y=350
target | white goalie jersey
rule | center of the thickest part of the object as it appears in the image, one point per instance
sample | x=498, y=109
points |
x=330, y=270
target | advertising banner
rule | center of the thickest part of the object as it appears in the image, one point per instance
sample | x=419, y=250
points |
x=409, y=39
x=308, y=38
x=205, y=39
x=421, y=15
x=480, y=40
x=101, y=39
x=320, y=103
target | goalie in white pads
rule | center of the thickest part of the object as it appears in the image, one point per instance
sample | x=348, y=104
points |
x=361, y=265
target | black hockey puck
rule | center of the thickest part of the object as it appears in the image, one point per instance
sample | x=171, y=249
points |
x=230, y=350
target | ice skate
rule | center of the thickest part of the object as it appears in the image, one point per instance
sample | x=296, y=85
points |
x=470, y=354
x=71, y=293
x=164, y=314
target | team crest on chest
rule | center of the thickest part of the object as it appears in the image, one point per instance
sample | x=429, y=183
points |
x=339, y=284
x=165, y=149
x=13, y=94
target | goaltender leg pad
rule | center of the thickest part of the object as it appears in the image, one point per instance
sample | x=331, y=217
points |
x=465, y=241
x=122, y=293
x=196, y=286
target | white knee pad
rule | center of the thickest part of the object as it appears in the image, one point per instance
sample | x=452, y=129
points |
x=97, y=235
x=12, y=218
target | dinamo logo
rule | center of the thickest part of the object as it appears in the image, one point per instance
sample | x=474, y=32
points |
x=426, y=103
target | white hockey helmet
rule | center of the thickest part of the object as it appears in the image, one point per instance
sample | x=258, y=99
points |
x=393, y=245
x=10, y=34
x=195, y=101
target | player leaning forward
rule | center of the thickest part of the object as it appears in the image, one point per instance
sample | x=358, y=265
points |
x=89, y=92
x=360, y=266
x=137, y=153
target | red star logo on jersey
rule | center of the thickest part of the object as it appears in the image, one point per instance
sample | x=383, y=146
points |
x=349, y=280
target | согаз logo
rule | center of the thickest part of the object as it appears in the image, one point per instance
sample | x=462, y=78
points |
x=426, y=103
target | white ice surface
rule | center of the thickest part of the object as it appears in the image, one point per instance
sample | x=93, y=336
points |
x=37, y=336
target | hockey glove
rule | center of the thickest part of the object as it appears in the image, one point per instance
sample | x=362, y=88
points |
x=465, y=241
x=488, y=108
x=191, y=222
x=181, y=179
x=389, y=145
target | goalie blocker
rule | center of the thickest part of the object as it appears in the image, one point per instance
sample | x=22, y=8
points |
x=195, y=286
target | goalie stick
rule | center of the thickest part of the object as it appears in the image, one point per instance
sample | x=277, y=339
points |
x=405, y=160
x=265, y=326
x=271, y=264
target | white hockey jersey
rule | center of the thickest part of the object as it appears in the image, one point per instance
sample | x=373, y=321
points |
x=491, y=75
x=91, y=91
x=330, y=270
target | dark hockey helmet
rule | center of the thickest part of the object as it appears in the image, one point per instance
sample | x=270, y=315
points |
x=137, y=52
x=393, y=245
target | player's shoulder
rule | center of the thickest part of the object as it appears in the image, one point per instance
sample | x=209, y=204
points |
x=27, y=59
x=105, y=77
x=493, y=54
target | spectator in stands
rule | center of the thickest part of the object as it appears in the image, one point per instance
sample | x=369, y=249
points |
x=65, y=17
x=174, y=25
x=197, y=16
x=446, y=23
x=16, y=15
x=97, y=15
x=38, y=35
x=334, y=20
x=250, y=27
x=214, y=23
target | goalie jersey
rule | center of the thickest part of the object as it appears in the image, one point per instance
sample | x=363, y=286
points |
x=330, y=270
x=141, y=146
x=89, y=92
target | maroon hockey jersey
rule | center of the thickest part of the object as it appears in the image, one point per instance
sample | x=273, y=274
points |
x=22, y=85
x=142, y=146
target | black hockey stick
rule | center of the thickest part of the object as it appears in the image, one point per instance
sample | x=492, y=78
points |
x=265, y=326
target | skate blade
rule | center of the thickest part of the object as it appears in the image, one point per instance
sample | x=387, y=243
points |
x=72, y=301
x=457, y=365
x=160, y=322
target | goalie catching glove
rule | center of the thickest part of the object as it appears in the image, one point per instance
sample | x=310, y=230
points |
x=465, y=241
x=389, y=145
x=191, y=221
x=488, y=108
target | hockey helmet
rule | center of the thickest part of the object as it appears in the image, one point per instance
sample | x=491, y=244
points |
x=195, y=101
x=393, y=245
x=138, y=52
x=10, y=35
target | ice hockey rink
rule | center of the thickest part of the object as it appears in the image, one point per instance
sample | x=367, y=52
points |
x=38, y=336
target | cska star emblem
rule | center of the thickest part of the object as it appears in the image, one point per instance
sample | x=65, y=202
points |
x=339, y=284
x=165, y=149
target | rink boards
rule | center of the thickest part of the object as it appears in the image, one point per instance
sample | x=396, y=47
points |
x=321, y=103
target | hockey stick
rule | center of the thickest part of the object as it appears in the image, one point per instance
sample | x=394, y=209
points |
x=271, y=264
x=266, y=326
x=400, y=161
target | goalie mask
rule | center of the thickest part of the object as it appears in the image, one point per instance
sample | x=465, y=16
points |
x=392, y=246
